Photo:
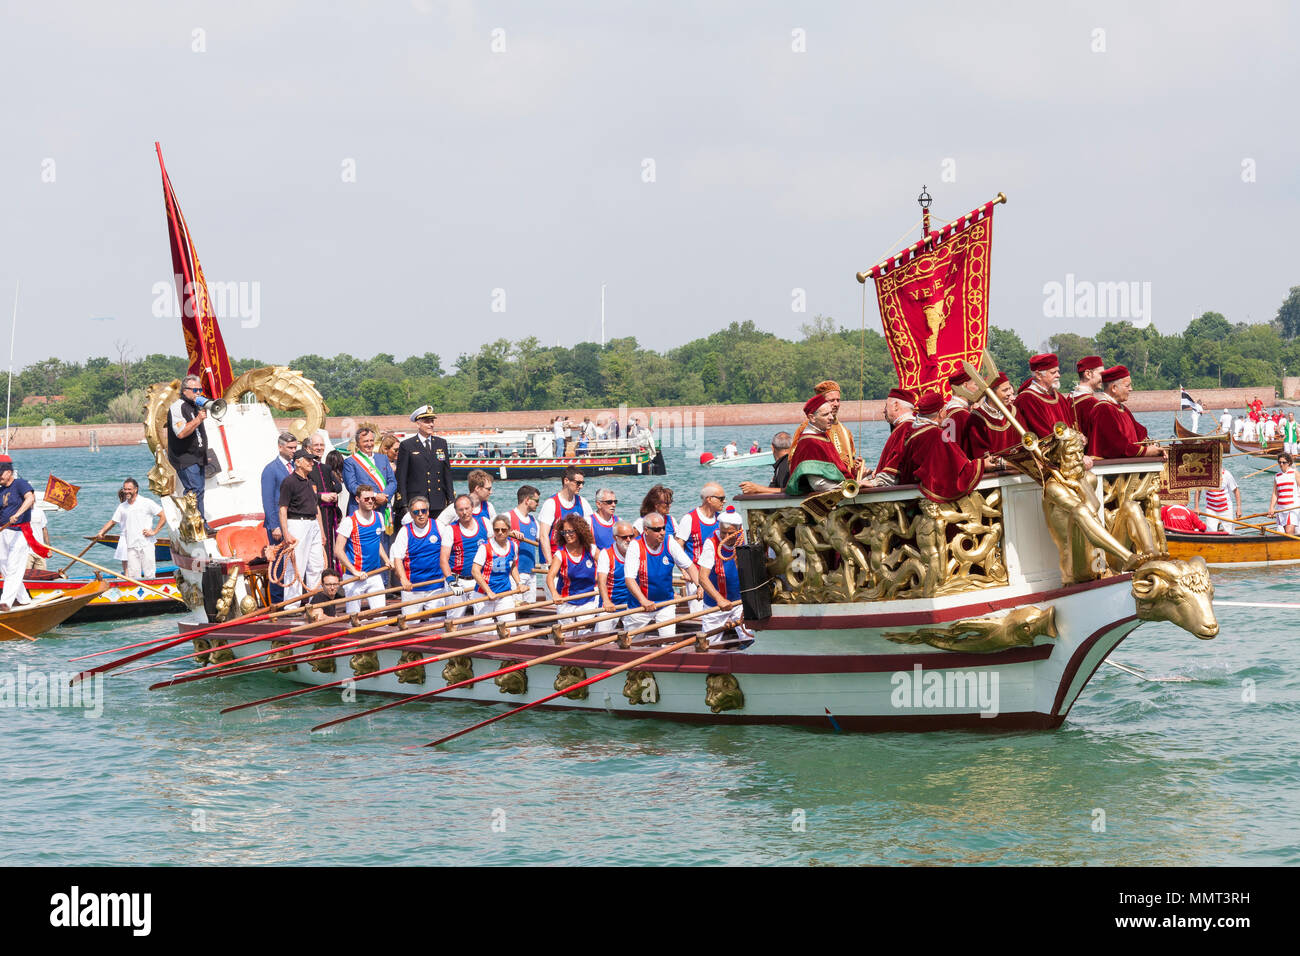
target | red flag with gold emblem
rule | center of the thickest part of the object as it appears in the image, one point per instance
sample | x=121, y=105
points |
x=933, y=299
x=203, y=342
x=61, y=493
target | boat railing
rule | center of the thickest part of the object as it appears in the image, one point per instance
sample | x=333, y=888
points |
x=893, y=543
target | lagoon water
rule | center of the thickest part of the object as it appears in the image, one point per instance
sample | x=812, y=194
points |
x=1140, y=773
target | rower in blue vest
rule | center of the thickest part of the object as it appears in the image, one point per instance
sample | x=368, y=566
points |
x=648, y=572
x=720, y=580
x=602, y=522
x=459, y=545
x=609, y=573
x=417, y=556
x=573, y=568
x=524, y=524
x=568, y=501
x=496, y=570
x=359, y=547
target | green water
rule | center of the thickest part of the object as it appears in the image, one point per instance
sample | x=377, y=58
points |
x=1141, y=773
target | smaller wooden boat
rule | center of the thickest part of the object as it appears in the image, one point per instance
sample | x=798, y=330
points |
x=119, y=600
x=1182, y=431
x=29, y=620
x=1259, y=449
x=1234, y=550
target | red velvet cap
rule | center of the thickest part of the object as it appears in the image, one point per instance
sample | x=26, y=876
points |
x=999, y=381
x=929, y=403
x=903, y=395
x=958, y=377
x=1045, y=361
x=814, y=403
x=1088, y=363
x=1114, y=374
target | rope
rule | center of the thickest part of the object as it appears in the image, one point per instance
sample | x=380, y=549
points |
x=276, y=565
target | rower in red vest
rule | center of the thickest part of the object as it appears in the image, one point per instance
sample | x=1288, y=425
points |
x=1115, y=432
x=940, y=467
x=900, y=407
x=1179, y=518
x=1040, y=406
x=1084, y=395
x=989, y=432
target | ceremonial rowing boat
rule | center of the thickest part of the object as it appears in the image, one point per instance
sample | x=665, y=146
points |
x=45, y=614
x=875, y=608
x=1234, y=550
x=162, y=548
x=1260, y=449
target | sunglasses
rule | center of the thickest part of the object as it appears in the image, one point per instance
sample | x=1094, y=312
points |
x=416, y=511
x=579, y=482
x=654, y=527
x=367, y=501
x=719, y=497
x=608, y=501
x=625, y=537
x=568, y=532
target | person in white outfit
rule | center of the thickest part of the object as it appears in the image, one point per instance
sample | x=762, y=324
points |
x=135, y=544
x=1225, y=422
x=1218, y=505
x=1284, y=504
x=17, y=498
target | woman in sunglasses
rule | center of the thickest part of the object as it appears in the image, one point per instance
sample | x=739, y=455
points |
x=658, y=499
x=573, y=566
x=496, y=570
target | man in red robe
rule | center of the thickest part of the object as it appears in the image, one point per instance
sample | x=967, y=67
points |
x=1084, y=395
x=989, y=433
x=1040, y=406
x=816, y=464
x=939, y=466
x=900, y=408
x=1115, y=432
x=839, y=435
x=956, y=414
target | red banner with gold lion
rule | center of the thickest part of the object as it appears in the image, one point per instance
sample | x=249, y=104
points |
x=934, y=298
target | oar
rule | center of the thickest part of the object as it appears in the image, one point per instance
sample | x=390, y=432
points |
x=1258, y=527
x=64, y=572
x=1257, y=514
x=644, y=659
x=472, y=649
x=14, y=630
x=226, y=667
x=522, y=665
x=296, y=629
x=253, y=618
x=113, y=650
x=340, y=650
x=117, y=574
x=1140, y=676
x=1259, y=471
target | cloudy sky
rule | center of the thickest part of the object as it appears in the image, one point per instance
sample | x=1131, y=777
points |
x=420, y=176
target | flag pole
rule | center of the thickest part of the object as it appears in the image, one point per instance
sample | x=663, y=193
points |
x=13, y=332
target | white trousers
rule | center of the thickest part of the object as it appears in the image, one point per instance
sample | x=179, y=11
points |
x=432, y=604
x=141, y=564
x=1213, y=523
x=592, y=607
x=642, y=618
x=470, y=586
x=13, y=561
x=718, y=618
x=505, y=603
x=1284, y=518
x=529, y=581
x=309, y=557
x=370, y=585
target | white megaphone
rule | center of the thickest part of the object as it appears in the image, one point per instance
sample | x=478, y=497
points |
x=216, y=406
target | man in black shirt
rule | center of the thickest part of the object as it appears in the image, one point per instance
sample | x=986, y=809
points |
x=329, y=580
x=780, y=468
x=187, y=445
x=300, y=522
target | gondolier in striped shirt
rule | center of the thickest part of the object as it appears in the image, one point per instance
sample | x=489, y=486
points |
x=1218, y=506
x=1284, y=505
x=17, y=498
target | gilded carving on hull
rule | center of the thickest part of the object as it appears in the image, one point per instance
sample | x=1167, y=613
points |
x=881, y=550
x=641, y=688
x=722, y=692
x=567, y=677
x=326, y=665
x=985, y=635
x=225, y=602
x=279, y=655
x=1177, y=591
x=201, y=650
x=191, y=529
x=367, y=662
x=516, y=682
x=458, y=669
x=410, y=675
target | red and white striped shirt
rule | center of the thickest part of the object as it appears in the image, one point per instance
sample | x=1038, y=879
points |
x=1286, y=490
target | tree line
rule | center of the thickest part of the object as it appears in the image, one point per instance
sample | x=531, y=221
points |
x=735, y=365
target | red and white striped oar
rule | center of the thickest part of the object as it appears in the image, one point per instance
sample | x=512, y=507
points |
x=522, y=665
x=536, y=632
x=644, y=659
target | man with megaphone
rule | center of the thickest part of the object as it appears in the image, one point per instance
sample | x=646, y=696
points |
x=187, y=444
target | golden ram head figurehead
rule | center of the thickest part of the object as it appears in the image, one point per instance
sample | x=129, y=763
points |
x=1167, y=589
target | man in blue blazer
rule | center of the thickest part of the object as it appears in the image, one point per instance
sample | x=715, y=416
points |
x=273, y=476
